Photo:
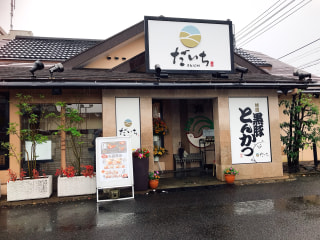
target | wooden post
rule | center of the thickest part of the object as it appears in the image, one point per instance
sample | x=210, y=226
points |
x=14, y=163
x=315, y=155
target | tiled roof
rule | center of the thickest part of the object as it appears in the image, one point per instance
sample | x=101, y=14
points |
x=51, y=49
x=61, y=49
x=252, y=58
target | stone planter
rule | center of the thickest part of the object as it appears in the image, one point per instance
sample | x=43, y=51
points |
x=78, y=185
x=29, y=189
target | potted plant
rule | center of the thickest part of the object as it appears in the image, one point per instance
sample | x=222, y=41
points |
x=141, y=153
x=71, y=184
x=70, y=124
x=29, y=132
x=72, y=180
x=26, y=188
x=154, y=179
x=158, y=152
x=230, y=174
x=159, y=127
x=140, y=160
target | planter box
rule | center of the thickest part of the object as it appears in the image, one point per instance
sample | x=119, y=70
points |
x=78, y=185
x=29, y=189
x=140, y=173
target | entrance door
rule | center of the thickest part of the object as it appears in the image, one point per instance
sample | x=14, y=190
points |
x=4, y=124
x=187, y=119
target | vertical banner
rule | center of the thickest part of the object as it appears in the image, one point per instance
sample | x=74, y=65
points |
x=114, y=162
x=128, y=119
x=249, y=129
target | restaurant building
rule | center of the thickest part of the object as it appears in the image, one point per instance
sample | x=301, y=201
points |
x=220, y=107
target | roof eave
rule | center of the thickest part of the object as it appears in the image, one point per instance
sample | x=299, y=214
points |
x=78, y=60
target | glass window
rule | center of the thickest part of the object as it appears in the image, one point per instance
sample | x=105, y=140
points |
x=90, y=127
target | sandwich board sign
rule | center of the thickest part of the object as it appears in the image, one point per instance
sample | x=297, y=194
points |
x=114, y=163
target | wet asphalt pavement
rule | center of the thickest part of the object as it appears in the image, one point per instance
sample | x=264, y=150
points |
x=282, y=210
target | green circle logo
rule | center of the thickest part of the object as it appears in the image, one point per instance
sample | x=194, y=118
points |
x=128, y=122
x=190, y=36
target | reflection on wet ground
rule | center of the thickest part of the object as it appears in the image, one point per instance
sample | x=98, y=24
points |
x=261, y=211
x=268, y=205
x=254, y=207
x=89, y=215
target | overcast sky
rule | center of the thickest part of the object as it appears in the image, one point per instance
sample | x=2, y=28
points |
x=100, y=19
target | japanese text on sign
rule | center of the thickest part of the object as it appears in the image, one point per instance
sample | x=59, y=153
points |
x=249, y=125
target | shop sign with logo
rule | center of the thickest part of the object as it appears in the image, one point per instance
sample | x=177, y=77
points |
x=188, y=45
x=249, y=129
x=128, y=119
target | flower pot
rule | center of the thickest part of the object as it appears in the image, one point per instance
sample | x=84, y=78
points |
x=78, y=185
x=140, y=173
x=29, y=189
x=229, y=178
x=153, y=184
x=156, y=158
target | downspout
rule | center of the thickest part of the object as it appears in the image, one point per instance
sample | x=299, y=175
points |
x=63, y=138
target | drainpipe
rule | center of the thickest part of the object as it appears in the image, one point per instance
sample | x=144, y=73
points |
x=63, y=138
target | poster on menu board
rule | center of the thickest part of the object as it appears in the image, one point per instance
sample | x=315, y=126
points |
x=114, y=162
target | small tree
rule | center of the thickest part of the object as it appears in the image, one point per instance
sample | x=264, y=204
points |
x=72, y=122
x=300, y=132
x=30, y=132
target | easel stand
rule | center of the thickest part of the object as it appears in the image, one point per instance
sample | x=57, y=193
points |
x=114, y=168
x=114, y=195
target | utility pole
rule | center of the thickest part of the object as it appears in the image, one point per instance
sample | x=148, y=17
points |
x=13, y=6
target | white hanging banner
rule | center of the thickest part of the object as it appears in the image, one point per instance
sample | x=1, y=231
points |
x=128, y=119
x=249, y=129
x=114, y=162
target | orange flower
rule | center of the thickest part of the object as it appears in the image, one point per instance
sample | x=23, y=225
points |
x=159, y=126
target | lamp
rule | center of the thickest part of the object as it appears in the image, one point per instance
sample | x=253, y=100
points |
x=56, y=68
x=158, y=70
x=284, y=90
x=302, y=76
x=37, y=65
x=241, y=70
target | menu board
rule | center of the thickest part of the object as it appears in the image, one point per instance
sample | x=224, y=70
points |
x=113, y=162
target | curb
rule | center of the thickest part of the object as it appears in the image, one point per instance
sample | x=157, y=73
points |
x=92, y=197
